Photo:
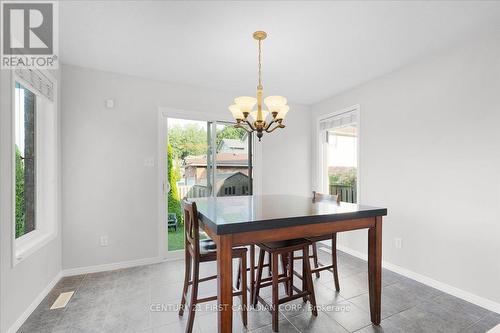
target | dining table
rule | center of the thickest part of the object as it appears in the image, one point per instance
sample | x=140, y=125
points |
x=249, y=220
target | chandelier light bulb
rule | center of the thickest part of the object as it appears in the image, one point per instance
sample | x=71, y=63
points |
x=236, y=111
x=254, y=113
x=245, y=103
x=282, y=112
x=274, y=103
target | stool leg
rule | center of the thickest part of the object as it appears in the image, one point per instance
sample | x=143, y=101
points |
x=309, y=282
x=194, y=296
x=315, y=257
x=305, y=259
x=252, y=272
x=238, y=278
x=259, y=277
x=275, y=306
x=290, y=274
x=284, y=260
x=334, y=262
x=244, y=303
x=269, y=267
x=187, y=277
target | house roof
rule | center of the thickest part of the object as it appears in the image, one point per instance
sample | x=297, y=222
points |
x=225, y=159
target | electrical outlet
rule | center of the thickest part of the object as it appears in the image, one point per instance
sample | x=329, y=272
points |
x=104, y=240
x=398, y=242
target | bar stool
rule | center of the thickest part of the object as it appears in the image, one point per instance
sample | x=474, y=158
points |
x=286, y=250
x=198, y=251
x=318, y=267
x=252, y=267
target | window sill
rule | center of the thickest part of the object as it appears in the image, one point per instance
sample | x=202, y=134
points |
x=28, y=244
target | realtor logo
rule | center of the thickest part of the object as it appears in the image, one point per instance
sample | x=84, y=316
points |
x=29, y=36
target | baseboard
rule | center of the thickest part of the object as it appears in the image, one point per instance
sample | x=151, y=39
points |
x=111, y=266
x=29, y=310
x=466, y=296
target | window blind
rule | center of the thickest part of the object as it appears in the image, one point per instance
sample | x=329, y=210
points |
x=340, y=120
x=38, y=82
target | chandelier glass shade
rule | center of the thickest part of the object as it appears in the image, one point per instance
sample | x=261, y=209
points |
x=259, y=120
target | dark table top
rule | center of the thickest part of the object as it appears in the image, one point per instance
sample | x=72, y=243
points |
x=225, y=215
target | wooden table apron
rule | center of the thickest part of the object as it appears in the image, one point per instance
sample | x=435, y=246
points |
x=226, y=242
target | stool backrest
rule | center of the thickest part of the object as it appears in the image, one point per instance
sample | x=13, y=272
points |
x=191, y=227
x=325, y=197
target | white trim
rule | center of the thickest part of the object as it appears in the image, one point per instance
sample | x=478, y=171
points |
x=29, y=310
x=320, y=154
x=163, y=181
x=31, y=243
x=47, y=231
x=114, y=266
x=465, y=295
x=194, y=115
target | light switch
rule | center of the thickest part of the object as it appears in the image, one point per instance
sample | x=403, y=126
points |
x=104, y=240
x=110, y=103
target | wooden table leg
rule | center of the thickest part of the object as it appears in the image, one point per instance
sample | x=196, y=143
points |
x=375, y=269
x=224, y=283
x=252, y=272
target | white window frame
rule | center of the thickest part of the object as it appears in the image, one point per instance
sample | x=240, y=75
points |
x=163, y=114
x=321, y=162
x=46, y=229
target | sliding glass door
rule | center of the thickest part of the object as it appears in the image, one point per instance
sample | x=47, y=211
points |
x=204, y=159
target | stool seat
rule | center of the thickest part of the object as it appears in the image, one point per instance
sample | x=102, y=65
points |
x=319, y=238
x=208, y=250
x=207, y=245
x=285, y=245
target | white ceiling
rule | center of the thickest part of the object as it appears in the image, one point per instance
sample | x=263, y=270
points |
x=314, y=49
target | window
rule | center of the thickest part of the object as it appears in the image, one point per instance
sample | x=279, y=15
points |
x=25, y=160
x=35, y=162
x=339, y=171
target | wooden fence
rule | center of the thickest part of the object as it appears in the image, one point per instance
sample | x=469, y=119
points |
x=347, y=193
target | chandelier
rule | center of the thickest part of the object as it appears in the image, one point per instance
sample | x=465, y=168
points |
x=259, y=120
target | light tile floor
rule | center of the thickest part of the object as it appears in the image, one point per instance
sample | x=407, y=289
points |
x=122, y=301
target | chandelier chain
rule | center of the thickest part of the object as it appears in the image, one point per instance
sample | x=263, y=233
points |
x=260, y=63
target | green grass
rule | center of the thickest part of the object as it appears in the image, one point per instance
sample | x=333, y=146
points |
x=176, y=239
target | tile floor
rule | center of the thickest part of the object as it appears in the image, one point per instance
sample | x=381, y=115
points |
x=143, y=299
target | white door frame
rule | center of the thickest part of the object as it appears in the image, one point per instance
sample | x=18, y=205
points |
x=163, y=114
x=321, y=153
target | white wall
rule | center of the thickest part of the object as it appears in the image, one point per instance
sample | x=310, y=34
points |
x=430, y=153
x=286, y=155
x=106, y=188
x=22, y=284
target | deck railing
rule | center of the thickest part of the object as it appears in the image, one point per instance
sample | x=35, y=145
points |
x=347, y=193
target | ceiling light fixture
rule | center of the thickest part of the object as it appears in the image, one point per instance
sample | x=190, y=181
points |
x=255, y=120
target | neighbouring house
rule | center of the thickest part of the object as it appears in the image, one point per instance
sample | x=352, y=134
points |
x=232, y=171
x=195, y=167
x=226, y=184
